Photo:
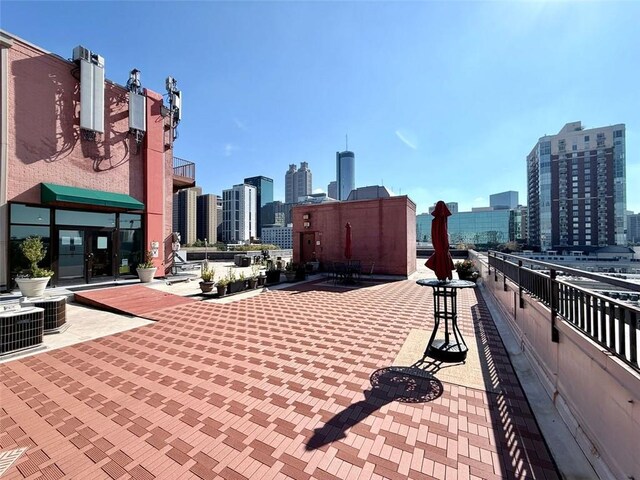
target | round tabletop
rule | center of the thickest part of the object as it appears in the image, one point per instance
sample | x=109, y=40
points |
x=433, y=282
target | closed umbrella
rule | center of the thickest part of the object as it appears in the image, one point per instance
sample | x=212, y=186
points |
x=440, y=262
x=347, y=242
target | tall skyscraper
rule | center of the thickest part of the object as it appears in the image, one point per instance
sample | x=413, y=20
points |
x=289, y=184
x=577, y=188
x=505, y=200
x=185, y=210
x=207, y=218
x=264, y=195
x=239, y=206
x=332, y=190
x=297, y=182
x=345, y=173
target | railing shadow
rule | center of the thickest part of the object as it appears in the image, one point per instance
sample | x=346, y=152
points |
x=399, y=384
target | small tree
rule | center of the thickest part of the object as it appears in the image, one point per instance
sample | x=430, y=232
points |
x=33, y=250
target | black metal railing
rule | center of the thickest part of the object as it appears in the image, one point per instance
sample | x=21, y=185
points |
x=184, y=168
x=611, y=322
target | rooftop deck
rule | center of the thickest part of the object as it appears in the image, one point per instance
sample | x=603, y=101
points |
x=278, y=385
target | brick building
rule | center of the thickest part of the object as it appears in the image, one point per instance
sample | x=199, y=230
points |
x=85, y=163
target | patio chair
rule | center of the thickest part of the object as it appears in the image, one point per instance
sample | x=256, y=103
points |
x=368, y=272
x=340, y=272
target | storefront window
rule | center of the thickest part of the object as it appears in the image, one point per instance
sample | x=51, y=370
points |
x=130, y=247
x=17, y=234
x=24, y=214
x=129, y=220
x=85, y=219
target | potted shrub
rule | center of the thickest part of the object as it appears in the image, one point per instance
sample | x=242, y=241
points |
x=34, y=284
x=146, y=270
x=207, y=283
x=221, y=286
x=467, y=270
x=290, y=271
x=253, y=279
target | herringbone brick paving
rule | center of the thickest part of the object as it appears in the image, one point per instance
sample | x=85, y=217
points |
x=239, y=390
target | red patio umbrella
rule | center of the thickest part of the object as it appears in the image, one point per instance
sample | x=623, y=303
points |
x=440, y=262
x=347, y=242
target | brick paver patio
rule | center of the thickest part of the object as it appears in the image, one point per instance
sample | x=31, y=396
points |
x=275, y=386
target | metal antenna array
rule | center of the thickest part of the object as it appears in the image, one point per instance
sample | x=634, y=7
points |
x=137, y=107
x=175, y=104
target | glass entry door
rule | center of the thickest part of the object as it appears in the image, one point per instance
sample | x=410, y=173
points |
x=85, y=254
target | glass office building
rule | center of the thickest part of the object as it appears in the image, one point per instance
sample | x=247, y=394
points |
x=264, y=195
x=479, y=228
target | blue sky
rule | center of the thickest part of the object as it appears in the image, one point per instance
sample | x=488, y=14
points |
x=440, y=100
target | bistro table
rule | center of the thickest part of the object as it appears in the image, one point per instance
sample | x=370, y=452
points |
x=451, y=349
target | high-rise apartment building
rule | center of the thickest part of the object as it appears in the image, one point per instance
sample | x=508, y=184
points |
x=239, y=208
x=185, y=211
x=264, y=194
x=504, y=200
x=332, y=190
x=345, y=173
x=577, y=188
x=297, y=182
x=207, y=218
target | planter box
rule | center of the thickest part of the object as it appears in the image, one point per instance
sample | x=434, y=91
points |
x=237, y=286
x=273, y=276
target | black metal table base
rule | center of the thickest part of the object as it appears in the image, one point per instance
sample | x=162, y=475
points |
x=447, y=352
x=451, y=349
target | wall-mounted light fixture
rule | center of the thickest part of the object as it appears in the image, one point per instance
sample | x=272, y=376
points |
x=306, y=217
x=306, y=224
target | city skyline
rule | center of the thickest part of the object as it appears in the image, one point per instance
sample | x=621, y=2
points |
x=431, y=112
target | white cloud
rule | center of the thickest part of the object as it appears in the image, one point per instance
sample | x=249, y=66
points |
x=407, y=139
x=240, y=124
x=318, y=190
x=229, y=148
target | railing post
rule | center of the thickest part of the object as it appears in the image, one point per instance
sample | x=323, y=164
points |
x=489, y=262
x=520, y=289
x=504, y=273
x=495, y=268
x=553, y=303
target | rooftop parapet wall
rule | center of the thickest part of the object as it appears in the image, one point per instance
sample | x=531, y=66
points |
x=596, y=393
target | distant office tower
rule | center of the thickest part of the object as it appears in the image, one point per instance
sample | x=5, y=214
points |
x=452, y=206
x=239, y=207
x=264, y=195
x=278, y=235
x=289, y=184
x=219, y=219
x=303, y=182
x=504, y=200
x=332, y=190
x=633, y=228
x=577, y=188
x=207, y=218
x=297, y=182
x=185, y=210
x=345, y=173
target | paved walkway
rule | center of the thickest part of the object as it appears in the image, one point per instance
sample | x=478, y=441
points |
x=273, y=386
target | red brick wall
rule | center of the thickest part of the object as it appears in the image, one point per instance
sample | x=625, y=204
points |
x=383, y=231
x=44, y=134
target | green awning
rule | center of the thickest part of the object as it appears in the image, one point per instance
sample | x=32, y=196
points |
x=51, y=193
